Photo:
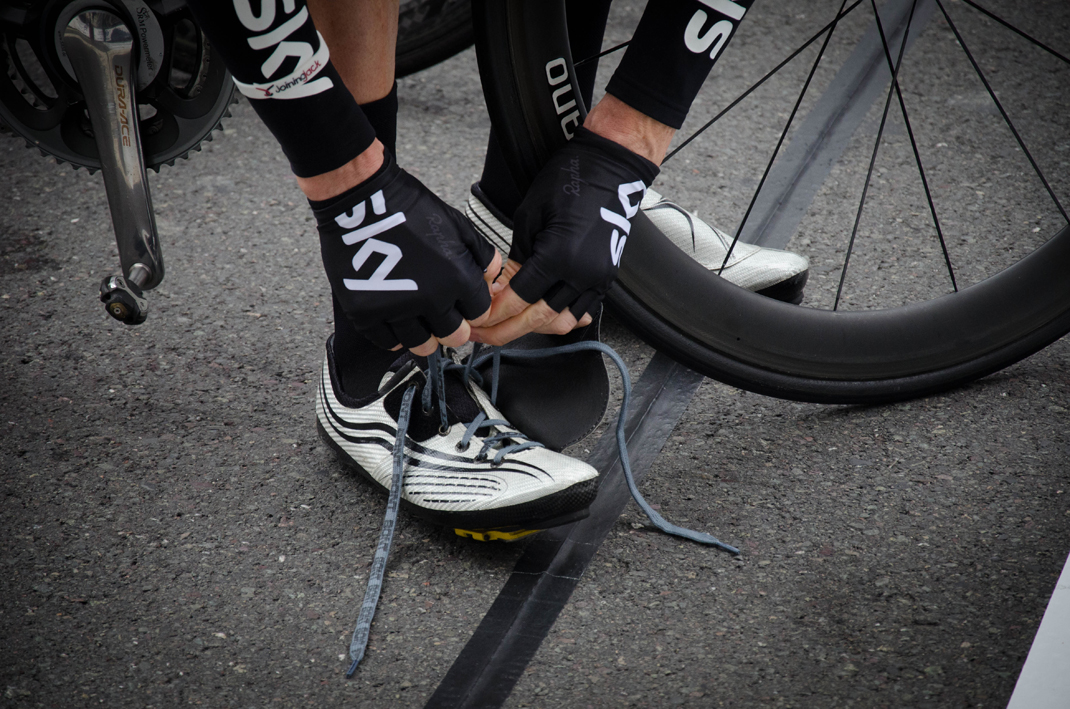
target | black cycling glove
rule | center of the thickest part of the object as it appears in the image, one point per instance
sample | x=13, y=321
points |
x=403, y=264
x=569, y=231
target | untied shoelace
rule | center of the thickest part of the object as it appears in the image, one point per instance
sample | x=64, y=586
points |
x=503, y=443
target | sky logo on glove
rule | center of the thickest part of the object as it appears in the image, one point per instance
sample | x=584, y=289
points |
x=623, y=223
x=391, y=252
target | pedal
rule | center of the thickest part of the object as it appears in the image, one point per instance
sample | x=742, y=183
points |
x=495, y=535
x=124, y=300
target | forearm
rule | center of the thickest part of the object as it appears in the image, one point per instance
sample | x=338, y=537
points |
x=362, y=35
x=312, y=110
x=281, y=64
x=671, y=54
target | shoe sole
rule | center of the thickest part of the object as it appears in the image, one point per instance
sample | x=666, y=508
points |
x=502, y=523
x=789, y=291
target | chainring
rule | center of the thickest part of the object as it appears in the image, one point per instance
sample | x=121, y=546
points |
x=183, y=88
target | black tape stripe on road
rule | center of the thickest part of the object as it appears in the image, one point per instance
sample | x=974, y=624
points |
x=511, y=632
x=821, y=138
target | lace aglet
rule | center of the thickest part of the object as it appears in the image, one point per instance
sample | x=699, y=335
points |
x=726, y=547
x=353, y=668
x=713, y=541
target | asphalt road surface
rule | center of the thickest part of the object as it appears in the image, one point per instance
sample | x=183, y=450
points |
x=175, y=533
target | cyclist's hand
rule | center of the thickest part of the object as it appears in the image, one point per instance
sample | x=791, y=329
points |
x=408, y=269
x=568, y=237
x=540, y=318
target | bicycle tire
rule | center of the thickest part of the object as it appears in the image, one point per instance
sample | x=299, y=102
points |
x=749, y=341
x=431, y=31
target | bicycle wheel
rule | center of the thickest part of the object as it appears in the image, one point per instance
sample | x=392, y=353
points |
x=825, y=355
x=431, y=31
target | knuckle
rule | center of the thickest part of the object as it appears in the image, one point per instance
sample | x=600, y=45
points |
x=480, y=321
x=543, y=312
x=561, y=327
x=457, y=337
x=425, y=349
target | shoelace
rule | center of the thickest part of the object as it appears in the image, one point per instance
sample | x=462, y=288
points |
x=506, y=442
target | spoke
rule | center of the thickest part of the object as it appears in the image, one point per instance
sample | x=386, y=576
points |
x=761, y=81
x=876, y=146
x=776, y=151
x=1017, y=31
x=601, y=54
x=914, y=146
x=1006, y=118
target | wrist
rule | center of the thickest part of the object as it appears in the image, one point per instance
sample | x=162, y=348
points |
x=617, y=121
x=358, y=170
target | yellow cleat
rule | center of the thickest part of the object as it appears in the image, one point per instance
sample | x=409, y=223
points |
x=495, y=535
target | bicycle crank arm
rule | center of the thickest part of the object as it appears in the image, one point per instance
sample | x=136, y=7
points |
x=101, y=49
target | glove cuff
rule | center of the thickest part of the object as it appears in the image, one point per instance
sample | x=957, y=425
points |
x=633, y=162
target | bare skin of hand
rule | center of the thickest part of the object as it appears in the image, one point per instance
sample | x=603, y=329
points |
x=524, y=317
x=510, y=315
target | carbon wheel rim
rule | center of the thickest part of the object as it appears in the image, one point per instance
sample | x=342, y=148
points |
x=749, y=341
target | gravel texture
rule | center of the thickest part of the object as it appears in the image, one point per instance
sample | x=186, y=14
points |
x=176, y=534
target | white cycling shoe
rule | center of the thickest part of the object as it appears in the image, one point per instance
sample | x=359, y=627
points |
x=475, y=473
x=770, y=272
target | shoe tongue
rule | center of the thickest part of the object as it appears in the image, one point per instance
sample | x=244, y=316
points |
x=461, y=406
